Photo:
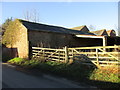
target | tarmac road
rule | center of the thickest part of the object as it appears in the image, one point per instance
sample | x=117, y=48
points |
x=12, y=78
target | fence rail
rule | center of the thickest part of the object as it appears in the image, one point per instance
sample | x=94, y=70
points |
x=49, y=53
x=100, y=56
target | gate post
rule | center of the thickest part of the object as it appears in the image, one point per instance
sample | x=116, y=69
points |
x=66, y=55
x=104, y=42
x=97, y=57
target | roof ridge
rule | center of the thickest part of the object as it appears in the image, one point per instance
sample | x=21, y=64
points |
x=40, y=23
x=110, y=30
x=80, y=26
x=99, y=30
x=49, y=28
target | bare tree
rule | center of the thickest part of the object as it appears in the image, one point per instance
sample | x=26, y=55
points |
x=35, y=15
x=31, y=15
x=91, y=27
x=26, y=15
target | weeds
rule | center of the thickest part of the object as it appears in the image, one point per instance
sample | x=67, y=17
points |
x=17, y=61
x=109, y=74
x=73, y=71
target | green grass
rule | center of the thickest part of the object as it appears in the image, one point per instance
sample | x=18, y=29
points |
x=109, y=74
x=77, y=72
x=17, y=61
x=68, y=70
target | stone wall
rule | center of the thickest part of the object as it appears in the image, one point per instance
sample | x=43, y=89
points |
x=22, y=43
x=48, y=39
x=57, y=40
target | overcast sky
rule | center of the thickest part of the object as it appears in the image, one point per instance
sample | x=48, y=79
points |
x=102, y=15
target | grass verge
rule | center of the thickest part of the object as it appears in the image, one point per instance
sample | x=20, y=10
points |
x=103, y=78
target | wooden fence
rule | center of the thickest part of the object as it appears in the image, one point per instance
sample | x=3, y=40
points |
x=100, y=56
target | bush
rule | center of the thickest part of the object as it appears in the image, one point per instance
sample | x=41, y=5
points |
x=25, y=63
x=52, y=63
x=11, y=34
x=31, y=63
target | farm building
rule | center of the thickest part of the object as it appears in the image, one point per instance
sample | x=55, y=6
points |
x=102, y=32
x=30, y=34
x=111, y=33
x=111, y=38
x=81, y=28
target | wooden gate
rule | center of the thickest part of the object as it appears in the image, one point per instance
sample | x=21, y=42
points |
x=50, y=54
x=100, y=56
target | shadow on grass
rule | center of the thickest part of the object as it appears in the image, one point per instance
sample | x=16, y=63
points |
x=82, y=77
x=103, y=85
x=75, y=71
x=78, y=73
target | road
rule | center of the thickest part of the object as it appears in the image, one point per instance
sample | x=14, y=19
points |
x=12, y=78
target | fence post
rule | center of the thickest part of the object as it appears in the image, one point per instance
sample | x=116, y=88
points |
x=44, y=54
x=66, y=55
x=59, y=55
x=97, y=58
x=104, y=42
x=72, y=54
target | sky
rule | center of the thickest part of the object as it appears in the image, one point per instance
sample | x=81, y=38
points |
x=101, y=15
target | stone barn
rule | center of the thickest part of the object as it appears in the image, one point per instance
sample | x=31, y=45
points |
x=111, y=33
x=40, y=35
x=81, y=28
x=102, y=32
